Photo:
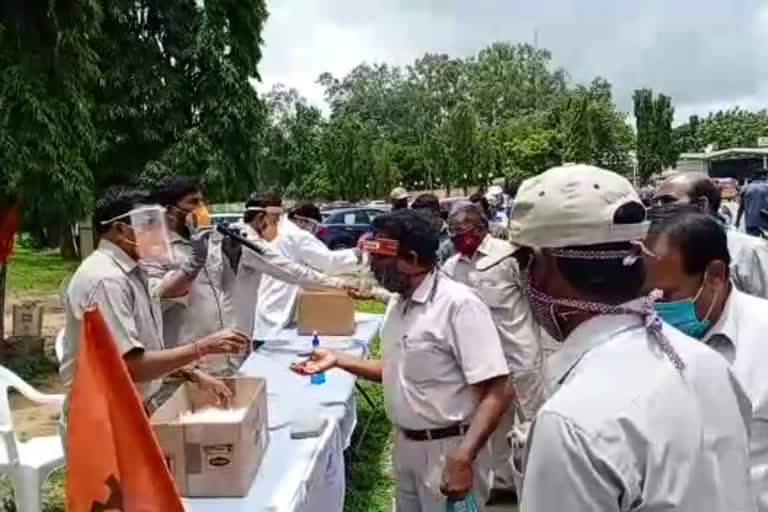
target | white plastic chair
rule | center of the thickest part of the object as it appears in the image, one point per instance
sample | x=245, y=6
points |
x=58, y=346
x=28, y=463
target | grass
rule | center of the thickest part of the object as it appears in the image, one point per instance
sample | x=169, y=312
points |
x=370, y=484
x=37, y=271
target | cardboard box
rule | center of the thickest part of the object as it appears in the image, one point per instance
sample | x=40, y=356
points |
x=214, y=459
x=329, y=311
x=28, y=320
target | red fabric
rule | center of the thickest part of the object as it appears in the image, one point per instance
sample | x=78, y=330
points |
x=9, y=223
x=113, y=459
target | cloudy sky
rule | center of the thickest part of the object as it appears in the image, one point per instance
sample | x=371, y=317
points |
x=706, y=54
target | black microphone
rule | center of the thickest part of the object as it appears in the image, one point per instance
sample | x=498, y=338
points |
x=235, y=235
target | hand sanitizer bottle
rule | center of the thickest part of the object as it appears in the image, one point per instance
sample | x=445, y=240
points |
x=316, y=378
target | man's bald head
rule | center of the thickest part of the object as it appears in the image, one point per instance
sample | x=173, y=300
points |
x=689, y=187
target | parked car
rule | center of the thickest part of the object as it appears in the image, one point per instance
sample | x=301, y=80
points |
x=228, y=218
x=341, y=227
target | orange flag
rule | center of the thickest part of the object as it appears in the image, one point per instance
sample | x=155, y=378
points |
x=113, y=460
x=9, y=223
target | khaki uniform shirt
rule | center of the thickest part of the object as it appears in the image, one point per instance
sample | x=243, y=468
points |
x=740, y=336
x=110, y=280
x=627, y=431
x=251, y=269
x=207, y=307
x=749, y=263
x=434, y=346
x=493, y=273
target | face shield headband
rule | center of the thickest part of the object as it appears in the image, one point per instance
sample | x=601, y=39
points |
x=544, y=305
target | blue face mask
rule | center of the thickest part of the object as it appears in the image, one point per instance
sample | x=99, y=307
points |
x=682, y=315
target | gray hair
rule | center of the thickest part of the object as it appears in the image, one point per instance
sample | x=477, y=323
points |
x=474, y=212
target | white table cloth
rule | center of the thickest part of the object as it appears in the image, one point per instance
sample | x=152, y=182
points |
x=304, y=475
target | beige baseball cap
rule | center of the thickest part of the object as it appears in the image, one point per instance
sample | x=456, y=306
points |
x=398, y=193
x=573, y=205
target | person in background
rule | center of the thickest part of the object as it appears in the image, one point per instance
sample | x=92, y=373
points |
x=112, y=280
x=431, y=204
x=487, y=265
x=497, y=230
x=644, y=418
x=252, y=265
x=749, y=254
x=442, y=368
x=691, y=268
x=295, y=240
x=398, y=198
x=754, y=198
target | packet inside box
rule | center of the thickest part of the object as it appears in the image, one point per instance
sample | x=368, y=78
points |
x=214, y=453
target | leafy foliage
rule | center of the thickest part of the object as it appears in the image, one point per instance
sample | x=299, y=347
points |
x=723, y=129
x=655, y=148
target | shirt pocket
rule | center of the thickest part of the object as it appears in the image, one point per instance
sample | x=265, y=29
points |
x=424, y=361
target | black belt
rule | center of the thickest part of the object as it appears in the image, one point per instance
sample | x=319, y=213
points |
x=435, y=433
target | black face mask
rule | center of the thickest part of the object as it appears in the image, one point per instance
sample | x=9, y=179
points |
x=389, y=276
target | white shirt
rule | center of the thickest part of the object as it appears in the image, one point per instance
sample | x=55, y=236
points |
x=626, y=431
x=253, y=266
x=277, y=299
x=493, y=273
x=749, y=263
x=434, y=346
x=740, y=336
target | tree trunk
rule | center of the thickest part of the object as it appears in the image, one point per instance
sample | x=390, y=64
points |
x=67, y=244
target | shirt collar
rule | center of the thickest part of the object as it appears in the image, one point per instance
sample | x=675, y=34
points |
x=727, y=324
x=590, y=334
x=119, y=256
x=426, y=289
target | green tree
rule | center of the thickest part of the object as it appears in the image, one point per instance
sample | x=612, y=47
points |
x=655, y=147
x=724, y=129
x=48, y=70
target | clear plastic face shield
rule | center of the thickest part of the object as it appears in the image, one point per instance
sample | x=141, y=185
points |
x=150, y=229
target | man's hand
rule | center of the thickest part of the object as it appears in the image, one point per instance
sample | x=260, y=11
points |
x=320, y=360
x=219, y=393
x=226, y=341
x=457, y=476
x=360, y=294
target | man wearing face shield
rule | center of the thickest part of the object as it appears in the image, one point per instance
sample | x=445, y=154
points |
x=296, y=240
x=487, y=265
x=691, y=269
x=253, y=266
x=442, y=368
x=644, y=417
x=193, y=287
x=112, y=279
x=749, y=254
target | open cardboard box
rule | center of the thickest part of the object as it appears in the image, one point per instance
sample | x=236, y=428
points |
x=327, y=311
x=214, y=459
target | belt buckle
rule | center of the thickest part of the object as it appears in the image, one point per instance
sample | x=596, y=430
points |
x=429, y=434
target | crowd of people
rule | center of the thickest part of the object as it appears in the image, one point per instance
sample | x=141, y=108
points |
x=592, y=354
